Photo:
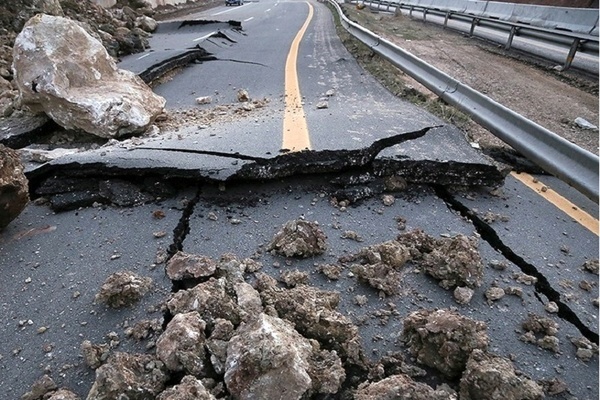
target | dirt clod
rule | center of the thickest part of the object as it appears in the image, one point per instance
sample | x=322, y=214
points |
x=123, y=289
x=591, y=266
x=190, y=388
x=188, y=266
x=131, y=376
x=399, y=387
x=443, y=339
x=299, y=238
x=94, y=355
x=488, y=376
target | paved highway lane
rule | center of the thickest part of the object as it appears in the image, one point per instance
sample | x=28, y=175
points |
x=54, y=262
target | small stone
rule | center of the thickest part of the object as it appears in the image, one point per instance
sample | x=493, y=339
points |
x=463, y=294
x=330, y=93
x=360, y=300
x=591, y=266
x=549, y=343
x=212, y=216
x=551, y=307
x=585, y=285
x=28, y=280
x=494, y=293
x=159, y=234
x=242, y=95
x=388, y=200
x=204, y=100
x=498, y=265
x=42, y=329
x=322, y=105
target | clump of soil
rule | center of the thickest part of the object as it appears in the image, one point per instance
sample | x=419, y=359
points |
x=123, y=289
x=399, y=387
x=299, y=238
x=134, y=376
x=189, y=266
x=454, y=261
x=492, y=377
x=444, y=339
x=535, y=326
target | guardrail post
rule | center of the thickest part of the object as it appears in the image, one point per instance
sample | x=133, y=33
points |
x=410, y=12
x=511, y=35
x=571, y=54
x=448, y=14
x=424, y=14
x=473, y=24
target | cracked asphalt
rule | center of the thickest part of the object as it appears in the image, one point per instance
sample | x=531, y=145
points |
x=217, y=182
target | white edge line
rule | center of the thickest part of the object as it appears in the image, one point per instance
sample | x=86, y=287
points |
x=144, y=56
x=231, y=9
x=248, y=19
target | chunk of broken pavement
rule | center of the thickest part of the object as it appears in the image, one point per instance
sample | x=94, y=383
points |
x=14, y=192
x=488, y=376
x=190, y=388
x=185, y=266
x=313, y=313
x=443, y=339
x=123, y=289
x=63, y=71
x=181, y=346
x=211, y=299
x=268, y=357
x=130, y=376
x=299, y=238
x=399, y=387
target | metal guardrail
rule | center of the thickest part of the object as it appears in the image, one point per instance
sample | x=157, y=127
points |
x=576, y=40
x=570, y=163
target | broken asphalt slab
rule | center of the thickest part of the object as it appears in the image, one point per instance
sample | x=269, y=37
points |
x=157, y=158
x=177, y=44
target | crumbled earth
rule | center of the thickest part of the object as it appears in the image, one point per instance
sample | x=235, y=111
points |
x=453, y=261
x=400, y=387
x=444, y=339
x=299, y=238
x=187, y=266
x=123, y=289
x=488, y=376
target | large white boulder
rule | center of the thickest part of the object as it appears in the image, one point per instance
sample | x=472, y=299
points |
x=63, y=71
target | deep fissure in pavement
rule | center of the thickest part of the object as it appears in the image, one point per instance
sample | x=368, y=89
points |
x=541, y=286
x=182, y=229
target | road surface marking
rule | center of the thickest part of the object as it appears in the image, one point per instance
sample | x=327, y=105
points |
x=248, y=19
x=204, y=37
x=231, y=9
x=557, y=200
x=295, y=130
x=144, y=56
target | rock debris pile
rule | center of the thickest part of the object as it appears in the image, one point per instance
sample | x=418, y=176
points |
x=233, y=331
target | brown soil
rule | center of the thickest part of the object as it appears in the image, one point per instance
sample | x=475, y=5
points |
x=538, y=92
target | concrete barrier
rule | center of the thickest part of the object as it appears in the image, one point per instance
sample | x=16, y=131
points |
x=580, y=20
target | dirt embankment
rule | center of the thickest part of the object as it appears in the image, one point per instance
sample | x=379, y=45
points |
x=530, y=87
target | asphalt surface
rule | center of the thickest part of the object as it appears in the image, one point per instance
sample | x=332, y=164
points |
x=53, y=263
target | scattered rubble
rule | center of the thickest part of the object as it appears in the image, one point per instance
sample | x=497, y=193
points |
x=62, y=70
x=189, y=266
x=14, y=189
x=488, y=376
x=131, y=376
x=181, y=346
x=94, y=355
x=585, y=348
x=123, y=289
x=542, y=326
x=443, y=339
x=299, y=238
x=287, y=369
x=400, y=387
x=40, y=388
x=190, y=388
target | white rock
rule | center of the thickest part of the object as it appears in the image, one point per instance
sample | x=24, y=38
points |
x=146, y=23
x=204, y=100
x=584, y=124
x=63, y=71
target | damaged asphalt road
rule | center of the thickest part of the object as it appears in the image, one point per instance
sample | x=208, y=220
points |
x=213, y=181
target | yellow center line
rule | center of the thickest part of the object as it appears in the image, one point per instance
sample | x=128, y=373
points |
x=295, y=130
x=557, y=200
